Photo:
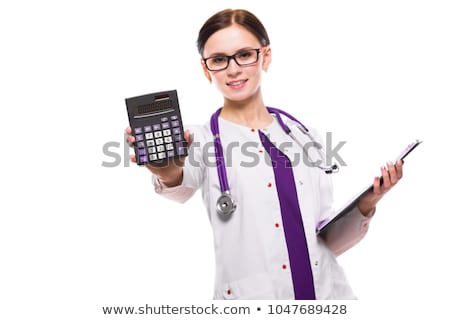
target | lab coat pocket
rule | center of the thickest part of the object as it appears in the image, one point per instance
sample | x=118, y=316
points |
x=254, y=287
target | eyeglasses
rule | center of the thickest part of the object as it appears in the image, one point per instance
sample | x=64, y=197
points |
x=244, y=57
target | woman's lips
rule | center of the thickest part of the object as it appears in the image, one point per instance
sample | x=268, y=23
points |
x=236, y=84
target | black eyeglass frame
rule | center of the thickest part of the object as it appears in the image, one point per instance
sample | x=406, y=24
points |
x=258, y=51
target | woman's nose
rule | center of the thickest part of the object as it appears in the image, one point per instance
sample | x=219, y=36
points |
x=233, y=67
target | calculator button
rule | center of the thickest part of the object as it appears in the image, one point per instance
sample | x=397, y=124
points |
x=157, y=127
x=181, y=151
x=176, y=130
x=179, y=148
x=137, y=130
x=148, y=128
x=153, y=157
x=168, y=139
x=149, y=135
x=165, y=125
x=158, y=134
x=141, y=144
x=171, y=153
x=166, y=132
x=164, y=119
x=173, y=117
x=142, y=152
x=150, y=143
x=169, y=146
x=161, y=155
x=160, y=148
x=139, y=137
x=175, y=123
x=152, y=150
x=159, y=141
x=143, y=159
x=177, y=137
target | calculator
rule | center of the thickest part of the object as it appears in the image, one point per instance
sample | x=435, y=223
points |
x=155, y=122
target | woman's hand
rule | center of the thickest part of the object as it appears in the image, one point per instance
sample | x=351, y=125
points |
x=391, y=174
x=169, y=172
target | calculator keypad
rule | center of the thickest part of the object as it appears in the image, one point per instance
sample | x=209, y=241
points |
x=160, y=141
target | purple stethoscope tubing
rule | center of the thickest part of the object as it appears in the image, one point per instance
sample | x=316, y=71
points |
x=226, y=205
x=282, y=124
x=214, y=123
x=221, y=171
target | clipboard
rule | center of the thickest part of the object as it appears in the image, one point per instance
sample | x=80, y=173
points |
x=322, y=229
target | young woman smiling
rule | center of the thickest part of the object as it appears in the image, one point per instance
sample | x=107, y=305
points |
x=265, y=220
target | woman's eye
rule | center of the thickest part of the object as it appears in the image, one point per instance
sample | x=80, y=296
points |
x=245, y=55
x=219, y=59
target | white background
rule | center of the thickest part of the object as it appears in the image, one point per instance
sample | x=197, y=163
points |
x=76, y=236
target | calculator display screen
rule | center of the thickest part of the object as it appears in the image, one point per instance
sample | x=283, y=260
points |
x=162, y=104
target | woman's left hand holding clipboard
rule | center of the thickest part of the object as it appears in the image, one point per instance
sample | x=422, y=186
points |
x=390, y=175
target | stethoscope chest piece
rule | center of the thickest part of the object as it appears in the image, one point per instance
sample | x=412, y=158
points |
x=225, y=205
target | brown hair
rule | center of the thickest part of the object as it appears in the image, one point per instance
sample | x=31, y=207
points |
x=226, y=18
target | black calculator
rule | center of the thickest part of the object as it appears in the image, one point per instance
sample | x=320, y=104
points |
x=155, y=121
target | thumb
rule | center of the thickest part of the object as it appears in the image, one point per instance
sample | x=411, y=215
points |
x=189, y=137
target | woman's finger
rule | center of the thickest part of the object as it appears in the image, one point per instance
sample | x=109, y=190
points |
x=386, y=179
x=399, y=167
x=392, y=173
x=377, y=186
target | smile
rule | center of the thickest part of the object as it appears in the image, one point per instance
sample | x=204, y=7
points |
x=237, y=84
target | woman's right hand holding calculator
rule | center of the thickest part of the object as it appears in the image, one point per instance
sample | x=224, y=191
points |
x=169, y=172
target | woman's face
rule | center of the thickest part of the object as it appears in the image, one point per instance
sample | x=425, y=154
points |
x=236, y=83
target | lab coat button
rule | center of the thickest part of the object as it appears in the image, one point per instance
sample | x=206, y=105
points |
x=284, y=266
x=269, y=185
x=316, y=263
x=277, y=225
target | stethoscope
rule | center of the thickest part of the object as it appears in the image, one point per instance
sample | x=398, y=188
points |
x=226, y=204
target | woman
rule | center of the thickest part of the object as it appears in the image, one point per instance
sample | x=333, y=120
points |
x=267, y=247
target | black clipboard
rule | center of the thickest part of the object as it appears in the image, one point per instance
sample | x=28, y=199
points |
x=322, y=229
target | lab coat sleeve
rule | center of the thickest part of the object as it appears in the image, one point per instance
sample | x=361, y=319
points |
x=193, y=171
x=348, y=231
x=179, y=193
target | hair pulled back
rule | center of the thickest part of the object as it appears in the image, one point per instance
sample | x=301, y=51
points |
x=226, y=18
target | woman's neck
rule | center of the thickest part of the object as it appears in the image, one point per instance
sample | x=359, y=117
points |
x=252, y=114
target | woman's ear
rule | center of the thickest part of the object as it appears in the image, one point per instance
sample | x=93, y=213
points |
x=267, y=58
x=206, y=71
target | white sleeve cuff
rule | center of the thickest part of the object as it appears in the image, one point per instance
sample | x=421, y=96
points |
x=179, y=193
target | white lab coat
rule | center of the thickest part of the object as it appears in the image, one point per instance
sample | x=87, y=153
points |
x=251, y=253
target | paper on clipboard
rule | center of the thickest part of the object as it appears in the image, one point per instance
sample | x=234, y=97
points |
x=321, y=230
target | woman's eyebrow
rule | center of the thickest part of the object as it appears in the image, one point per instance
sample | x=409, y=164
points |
x=220, y=53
